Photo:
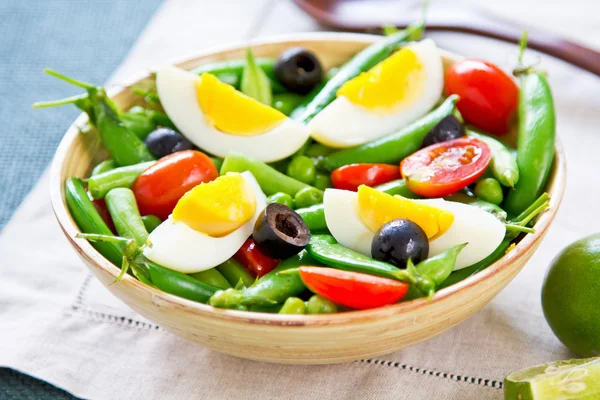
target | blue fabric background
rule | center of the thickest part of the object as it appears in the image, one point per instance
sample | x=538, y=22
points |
x=85, y=39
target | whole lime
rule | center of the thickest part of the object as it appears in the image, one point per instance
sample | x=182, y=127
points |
x=571, y=296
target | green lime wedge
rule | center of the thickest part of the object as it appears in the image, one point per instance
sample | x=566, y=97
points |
x=557, y=380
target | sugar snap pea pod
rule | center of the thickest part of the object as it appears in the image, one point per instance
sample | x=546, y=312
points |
x=140, y=124
x=363, y=61
x=493, y=209
x=535, y=143
x=270, y=289
x=212, y=277
x=104, y=166
x=161, y=119
x=165, y=279
x=320, y=305
x=235, y=273
x=314, y=216
x=122, y=144
x=503, y=165
x=230, y=72
x=270, y=180
x=293, y=305
x=88, y=220
x=392, y=148
x=439, y=267
x=325, y=249
x=151, y=222
x=99, y=185
x=125, y=215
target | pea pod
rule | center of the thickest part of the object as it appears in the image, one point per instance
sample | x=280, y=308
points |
x=235, y=273
x=270, y=180
x=88, y=220
x=491, y=208
x=212, y=277
x=503, y=165
x=439, y=267
x=140, y=124
x=104, y=166
x=314, y=216
x=126, y=216
x=151, y=222
x=363, y=61
x=99, y=185
x=392, y=148
x=535, y=149
x=270, y=289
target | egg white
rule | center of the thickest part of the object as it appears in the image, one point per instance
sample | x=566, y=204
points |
x=481, y=230
x=177, y=91
x=175, y=245
x=344, y=124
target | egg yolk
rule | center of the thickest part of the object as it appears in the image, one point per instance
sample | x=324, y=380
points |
x=230, y=111
x=396, y=82
x=217, y=208
x=377, y=208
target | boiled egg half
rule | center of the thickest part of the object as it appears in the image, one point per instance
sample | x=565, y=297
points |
x=388, y=97
x=353, y=218
x=218, y=118
x=208, y=225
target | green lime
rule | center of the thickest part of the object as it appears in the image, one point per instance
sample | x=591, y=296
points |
x=557, y=380
x=571, y=295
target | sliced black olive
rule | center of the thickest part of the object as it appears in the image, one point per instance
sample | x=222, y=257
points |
x=165, y=141
x=298, y=70
x=280, y=232
x=400, y=240
x=447, y=129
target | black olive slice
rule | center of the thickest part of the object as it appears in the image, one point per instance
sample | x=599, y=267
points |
x=279, y=232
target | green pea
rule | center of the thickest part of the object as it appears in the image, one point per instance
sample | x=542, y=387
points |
x=293, y=305
x=489, y=189
x=151, y=222
x=303, y=169
x=320, y=305
x=281, y=198
x=318, y=150
x=307, y=197
x=322, y=181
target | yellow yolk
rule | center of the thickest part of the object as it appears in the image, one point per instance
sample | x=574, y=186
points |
x=396, y=81
x=217, y=208
x=377, y=208
x=230, y=111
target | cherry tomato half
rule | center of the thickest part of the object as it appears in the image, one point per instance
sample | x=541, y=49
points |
x=444, y=168
x=158, y=189
x=353, y=289
x=257, y=263
x=488, y=96
x=350, y=177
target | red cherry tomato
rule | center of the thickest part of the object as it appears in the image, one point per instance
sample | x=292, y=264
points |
x=350, y=177
x=159, y=188
x=444, y=168
x=100, y=206
x=257, y=263
x=353, y=289
x=488, y=96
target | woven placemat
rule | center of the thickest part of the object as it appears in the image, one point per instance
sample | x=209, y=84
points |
x=83, y=38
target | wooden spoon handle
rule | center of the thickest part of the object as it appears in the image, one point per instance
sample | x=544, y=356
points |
x=545, y=42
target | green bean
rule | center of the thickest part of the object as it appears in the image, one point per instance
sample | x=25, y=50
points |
x=307, y=197
x=125, y=215
x=151, y=222
x=88, y=220
x=320, y=305
x=270, y=180
x=293, y=305
x=212, y=277
x=270, y=289
x=302, y=168
x=535, y=144
x=489, y=189
x=503, y=165
x=392, y=148
x=281, y=198
x=322, y=181
x=104, y=166
x=100, y=185
x=235, y=273
x=286, y=102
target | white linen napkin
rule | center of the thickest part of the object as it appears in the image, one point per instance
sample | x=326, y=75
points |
x=59, y=324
